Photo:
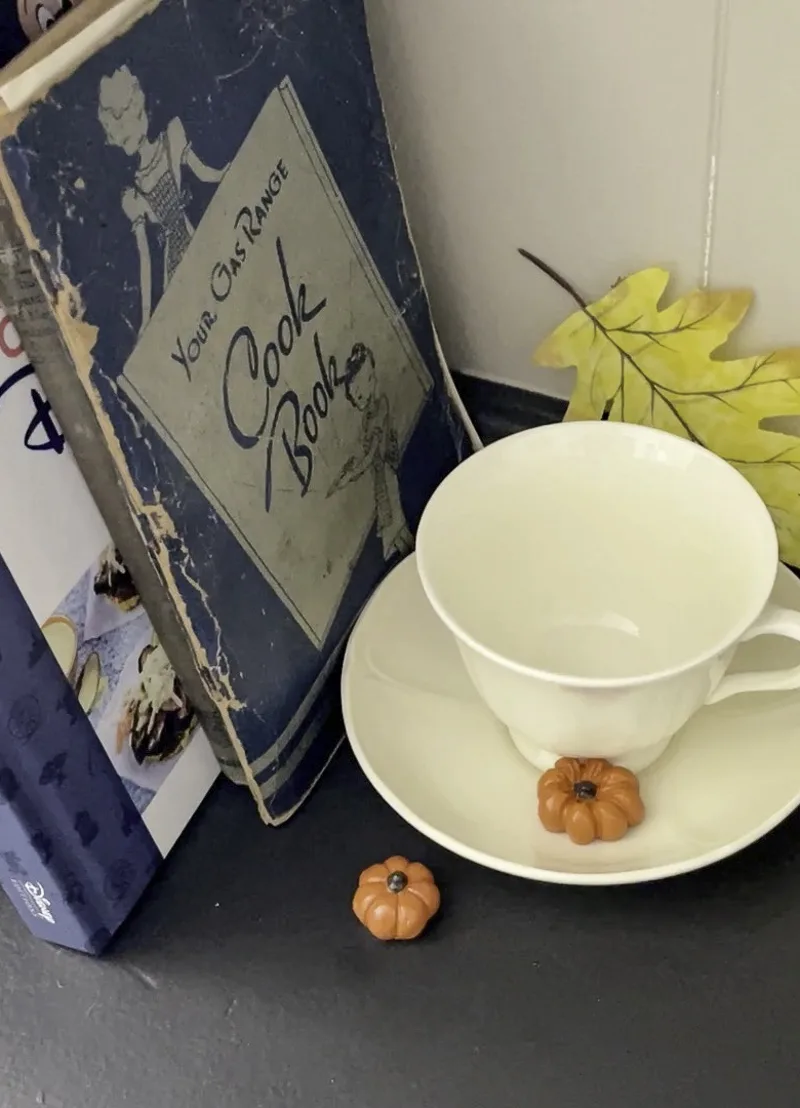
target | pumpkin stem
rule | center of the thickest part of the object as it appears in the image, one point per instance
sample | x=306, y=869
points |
x=585, y=790
x=396, y=881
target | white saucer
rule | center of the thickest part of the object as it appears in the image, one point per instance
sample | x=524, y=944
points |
x=437, y=756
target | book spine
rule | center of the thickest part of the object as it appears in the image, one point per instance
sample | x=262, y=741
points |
x=53, y=904
x=75, y=855
x=25, y=300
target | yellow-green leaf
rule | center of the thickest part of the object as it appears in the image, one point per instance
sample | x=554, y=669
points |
x=640, y=363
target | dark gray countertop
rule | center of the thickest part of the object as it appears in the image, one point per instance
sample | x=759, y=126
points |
x=243, y=980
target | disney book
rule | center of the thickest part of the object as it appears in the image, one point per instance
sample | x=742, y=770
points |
x=24, y=21
x=231, y=326
x=102, y=759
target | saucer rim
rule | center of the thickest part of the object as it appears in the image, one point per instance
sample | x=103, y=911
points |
x=642, y=875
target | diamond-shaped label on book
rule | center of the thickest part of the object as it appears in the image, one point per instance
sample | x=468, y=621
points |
x=278, y=369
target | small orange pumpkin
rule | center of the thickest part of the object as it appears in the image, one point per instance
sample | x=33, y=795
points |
x=589, y=799
x=396, y=899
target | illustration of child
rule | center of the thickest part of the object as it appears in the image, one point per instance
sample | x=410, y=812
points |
x=156, y=196
x=379, y=452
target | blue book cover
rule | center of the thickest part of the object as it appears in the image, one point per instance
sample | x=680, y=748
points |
x=102, y=759
x=75, y=854
x=213, y=208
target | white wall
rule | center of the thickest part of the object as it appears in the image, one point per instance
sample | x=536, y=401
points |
x=603, y=135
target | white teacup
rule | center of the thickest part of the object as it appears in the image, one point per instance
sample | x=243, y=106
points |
x=597, y=578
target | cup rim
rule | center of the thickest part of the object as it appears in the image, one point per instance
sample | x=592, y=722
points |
x=572, y=680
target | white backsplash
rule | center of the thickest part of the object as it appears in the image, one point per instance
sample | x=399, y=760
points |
x=603, y=136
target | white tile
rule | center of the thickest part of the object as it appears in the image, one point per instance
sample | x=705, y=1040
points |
x=576, y=128
x=756, y=229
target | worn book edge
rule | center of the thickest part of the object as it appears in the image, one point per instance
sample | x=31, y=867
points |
x=45, y=347
x=48, y=62
x=76, y=342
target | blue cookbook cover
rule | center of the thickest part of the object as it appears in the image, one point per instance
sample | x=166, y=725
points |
x=213, y=207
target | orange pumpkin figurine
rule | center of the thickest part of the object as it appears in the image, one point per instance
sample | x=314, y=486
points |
x=589, y=799
x=396, y=899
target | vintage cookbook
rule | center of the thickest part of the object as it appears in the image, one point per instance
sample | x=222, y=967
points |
x=230, y=323
x=102, y=759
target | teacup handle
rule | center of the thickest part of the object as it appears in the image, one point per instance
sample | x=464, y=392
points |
x=772, y=621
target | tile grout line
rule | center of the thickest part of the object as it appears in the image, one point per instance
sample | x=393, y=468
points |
x=721, y=31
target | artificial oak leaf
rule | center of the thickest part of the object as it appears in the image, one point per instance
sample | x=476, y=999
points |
x=639, y=363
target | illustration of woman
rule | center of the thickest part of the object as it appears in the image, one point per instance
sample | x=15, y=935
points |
x=156, y=196
x=379, y=452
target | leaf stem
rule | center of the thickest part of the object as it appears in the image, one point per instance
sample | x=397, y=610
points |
x=554, y=276
x=563, y=283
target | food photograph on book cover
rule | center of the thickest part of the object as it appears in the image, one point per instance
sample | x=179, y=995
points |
x=108, y=651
